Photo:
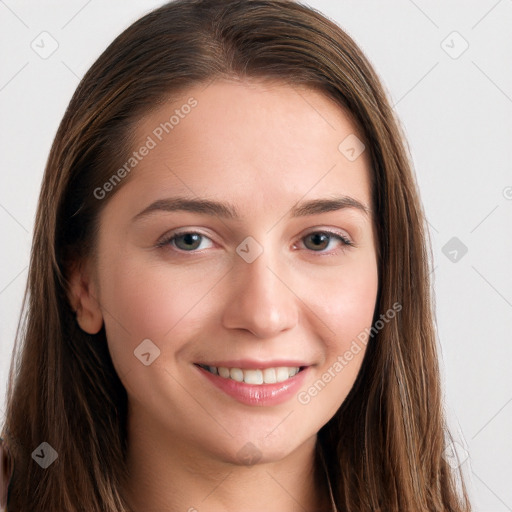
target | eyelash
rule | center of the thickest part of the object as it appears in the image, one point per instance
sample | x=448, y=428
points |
x=170, y=238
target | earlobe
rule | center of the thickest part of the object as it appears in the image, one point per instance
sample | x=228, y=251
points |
x=83, y=300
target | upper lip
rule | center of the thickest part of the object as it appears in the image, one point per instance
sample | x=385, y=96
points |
x=252, y=364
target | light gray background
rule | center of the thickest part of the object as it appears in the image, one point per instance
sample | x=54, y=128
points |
x=456, y=109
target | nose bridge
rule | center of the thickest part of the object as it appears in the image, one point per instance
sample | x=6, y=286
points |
x=260, y=301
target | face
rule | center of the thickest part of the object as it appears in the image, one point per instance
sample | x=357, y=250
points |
x=236, y=266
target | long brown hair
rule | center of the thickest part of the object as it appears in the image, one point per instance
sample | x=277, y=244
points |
x=384, y=446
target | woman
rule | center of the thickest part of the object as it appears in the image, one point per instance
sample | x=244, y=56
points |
x=228, y=301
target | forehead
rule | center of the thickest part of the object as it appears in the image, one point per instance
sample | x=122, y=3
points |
x=261, y=142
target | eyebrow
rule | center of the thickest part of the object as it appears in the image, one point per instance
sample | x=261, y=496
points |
x=227, y=211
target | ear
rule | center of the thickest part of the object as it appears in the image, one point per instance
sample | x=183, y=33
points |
x=83, y=299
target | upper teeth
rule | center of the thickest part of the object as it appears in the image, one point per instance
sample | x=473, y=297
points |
x=266, y=376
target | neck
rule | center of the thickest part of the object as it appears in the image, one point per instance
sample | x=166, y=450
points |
x=171, y=475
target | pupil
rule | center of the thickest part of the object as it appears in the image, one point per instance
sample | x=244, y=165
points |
x=317, y=238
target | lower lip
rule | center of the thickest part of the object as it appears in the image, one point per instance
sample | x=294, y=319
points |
x=254, y=394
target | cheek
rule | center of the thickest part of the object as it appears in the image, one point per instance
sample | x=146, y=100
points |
x=355, y=311
x=347, y=302
x=142, y=301
x=347, y=306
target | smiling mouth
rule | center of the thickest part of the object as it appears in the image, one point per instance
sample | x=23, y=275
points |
x=255, y=376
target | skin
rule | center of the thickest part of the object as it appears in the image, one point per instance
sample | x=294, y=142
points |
x=261, y=147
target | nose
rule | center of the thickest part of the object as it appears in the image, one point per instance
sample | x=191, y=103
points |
x=261, y=301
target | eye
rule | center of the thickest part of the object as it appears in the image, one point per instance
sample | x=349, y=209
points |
x=318, y=241
x=189, y=241
x=192, y=241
